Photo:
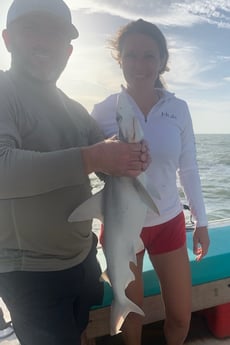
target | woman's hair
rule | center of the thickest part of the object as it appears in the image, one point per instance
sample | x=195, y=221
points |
x=141, y=26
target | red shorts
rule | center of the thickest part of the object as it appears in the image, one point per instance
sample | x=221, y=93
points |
x=162, y=238
x=165, y=237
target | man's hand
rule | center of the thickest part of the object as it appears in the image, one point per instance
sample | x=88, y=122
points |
x=117, y=158
x=200, y=242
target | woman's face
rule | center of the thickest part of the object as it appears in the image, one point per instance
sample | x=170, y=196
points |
x=140, y=61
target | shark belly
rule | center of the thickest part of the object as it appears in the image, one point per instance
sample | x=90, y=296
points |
x=124, y=217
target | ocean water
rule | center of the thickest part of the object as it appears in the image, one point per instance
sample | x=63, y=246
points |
x=213, y=157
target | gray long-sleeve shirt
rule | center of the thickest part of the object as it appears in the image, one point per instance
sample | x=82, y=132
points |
x=41, y=176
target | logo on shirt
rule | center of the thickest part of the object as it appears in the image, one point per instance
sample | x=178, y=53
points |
x=169, y=116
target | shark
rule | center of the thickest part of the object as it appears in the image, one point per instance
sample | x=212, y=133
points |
x=121, y=206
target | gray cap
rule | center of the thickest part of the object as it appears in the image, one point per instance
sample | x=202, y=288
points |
x=57, y=8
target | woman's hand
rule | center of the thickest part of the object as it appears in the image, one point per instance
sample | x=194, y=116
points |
x=200, y=242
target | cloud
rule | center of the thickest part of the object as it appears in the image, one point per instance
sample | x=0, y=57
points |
x=189, y=66
x=223, y=58
x=215, y=12
x=165, y=12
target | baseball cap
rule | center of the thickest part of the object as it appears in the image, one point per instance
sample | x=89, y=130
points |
x=57, y=8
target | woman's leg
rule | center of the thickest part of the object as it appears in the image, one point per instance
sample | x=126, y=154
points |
x=132, y=326
x=174, y=274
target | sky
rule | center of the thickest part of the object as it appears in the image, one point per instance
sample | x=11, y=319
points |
x=198, y=37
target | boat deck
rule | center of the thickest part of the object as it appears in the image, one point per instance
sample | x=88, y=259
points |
x=153, y=334
x=199, y=334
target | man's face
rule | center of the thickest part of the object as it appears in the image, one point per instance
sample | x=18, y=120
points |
x=40, y=46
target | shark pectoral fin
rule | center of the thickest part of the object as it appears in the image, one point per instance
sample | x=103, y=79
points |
x=91, y=208
x=145, y=196
x=153, y=191
x=119, y=312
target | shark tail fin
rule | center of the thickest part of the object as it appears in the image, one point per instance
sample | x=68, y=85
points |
x=119, y=312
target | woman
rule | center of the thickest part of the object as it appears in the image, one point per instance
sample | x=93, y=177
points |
x=141, y=50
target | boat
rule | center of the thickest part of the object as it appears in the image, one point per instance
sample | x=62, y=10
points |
x=210, y=295
x=210, y=283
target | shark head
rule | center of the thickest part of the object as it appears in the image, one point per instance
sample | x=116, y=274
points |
x=129, y=127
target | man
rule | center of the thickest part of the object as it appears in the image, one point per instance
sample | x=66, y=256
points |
x=48, y=145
